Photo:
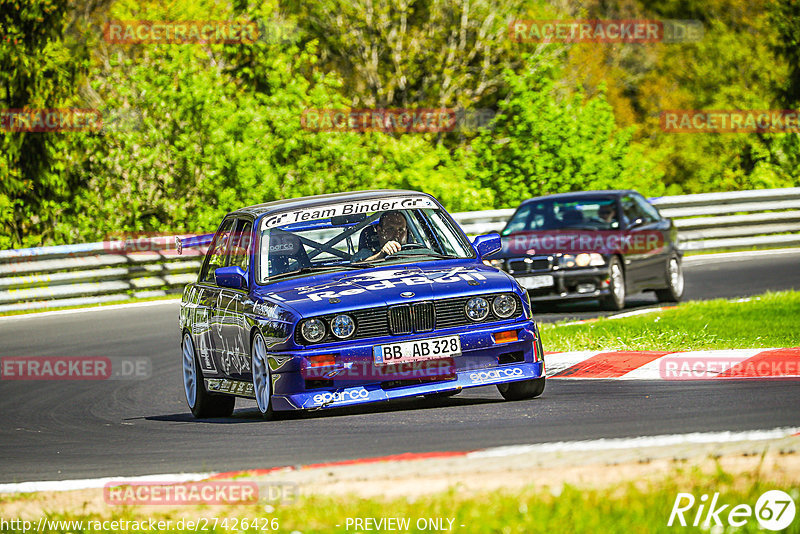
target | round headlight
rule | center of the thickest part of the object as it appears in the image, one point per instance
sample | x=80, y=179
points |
x=343, y=326
x=477, y=308
x=504, y=306
x=313, y=330
x=583, y=259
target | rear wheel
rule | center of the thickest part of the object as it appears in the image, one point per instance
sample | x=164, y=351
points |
x=524, y=389
x=262, y=379
x=199, y=400
x=674, y=291
x=616, y=298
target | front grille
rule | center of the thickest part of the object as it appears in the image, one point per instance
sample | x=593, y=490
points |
x=533, y=264
x=400, y=319
x=406, y=318
x=424, y=317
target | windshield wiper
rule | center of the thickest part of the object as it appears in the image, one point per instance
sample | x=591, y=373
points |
x=312, y=269
x=422, y=253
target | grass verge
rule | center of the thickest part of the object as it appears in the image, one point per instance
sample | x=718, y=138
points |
x=769, y=320
x=623, y=508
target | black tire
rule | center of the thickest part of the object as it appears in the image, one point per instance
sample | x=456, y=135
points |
x=262, y=376
x=524, y=389
x=615, y=300
x=675, y=283
x=201, y=402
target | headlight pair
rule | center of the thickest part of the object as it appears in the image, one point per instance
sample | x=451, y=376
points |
x=581, y=260
x=503, y=306
x=342, y=326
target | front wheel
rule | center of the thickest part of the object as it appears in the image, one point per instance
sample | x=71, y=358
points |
x=524, y=389
x=674, y=291
x=262, y=379
x=616, y=299
x=199, y=400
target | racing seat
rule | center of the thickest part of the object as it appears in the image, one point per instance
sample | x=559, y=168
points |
x=286, y=253
x=369, y=238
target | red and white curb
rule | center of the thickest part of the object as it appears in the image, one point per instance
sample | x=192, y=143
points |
x=669, y=365
x=594, y=445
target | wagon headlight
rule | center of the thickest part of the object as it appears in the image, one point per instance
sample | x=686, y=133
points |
x=593, y=260
x=343, y=326
x=504, y=306
x=567, y=260
x=313, y=330
x=477, y=308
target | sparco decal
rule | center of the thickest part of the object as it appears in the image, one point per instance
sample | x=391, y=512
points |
x=341, y=396
x=347, y=208
x=495, y=374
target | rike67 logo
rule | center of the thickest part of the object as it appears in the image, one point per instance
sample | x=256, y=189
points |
x=775, y=510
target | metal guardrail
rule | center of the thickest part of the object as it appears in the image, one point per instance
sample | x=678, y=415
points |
x=84, y=274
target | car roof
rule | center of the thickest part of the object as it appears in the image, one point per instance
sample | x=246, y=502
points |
x=320, y=200
x=577, y=195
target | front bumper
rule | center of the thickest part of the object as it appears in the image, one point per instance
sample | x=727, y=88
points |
x=483, y=361
x=571, y=284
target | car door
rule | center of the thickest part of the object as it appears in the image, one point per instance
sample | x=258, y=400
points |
x=233, y=348
x=216, y=257
x=657, y=249
x=643, y=260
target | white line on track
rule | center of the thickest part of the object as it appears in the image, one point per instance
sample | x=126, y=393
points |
x=494, y=452
x=738, y=256
x=92, y=309
x=90, y=483
x=630, y=443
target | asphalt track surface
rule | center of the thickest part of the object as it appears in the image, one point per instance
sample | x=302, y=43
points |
x=59, y=430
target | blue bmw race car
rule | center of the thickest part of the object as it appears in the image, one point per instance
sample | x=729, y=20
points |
x=351, y=298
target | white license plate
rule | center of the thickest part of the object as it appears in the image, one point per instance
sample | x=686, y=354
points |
x=534, y=282
x=421, y=349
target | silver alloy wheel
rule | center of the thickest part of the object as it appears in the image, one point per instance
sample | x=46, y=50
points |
x=189, y=371
x=676, y=277
x=261, y=381
x=617, y=282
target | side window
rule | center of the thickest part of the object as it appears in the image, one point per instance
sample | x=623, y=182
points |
x=629, y=210
x=241, y=243
x=216, y=253
x=519, y=222
x=650, y=213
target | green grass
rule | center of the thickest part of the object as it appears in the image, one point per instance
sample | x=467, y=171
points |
x=621, y=509
x=769, y=320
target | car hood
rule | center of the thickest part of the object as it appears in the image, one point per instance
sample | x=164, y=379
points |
x=350, y=290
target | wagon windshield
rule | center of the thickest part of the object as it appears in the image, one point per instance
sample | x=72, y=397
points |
x=591, y=213
x=352, y=236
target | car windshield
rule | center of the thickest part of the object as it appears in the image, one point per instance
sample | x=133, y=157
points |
x=591, y=213
x=334, y=239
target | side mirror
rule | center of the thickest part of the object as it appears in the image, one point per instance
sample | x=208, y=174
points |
x=487, y=244
x=232, y=277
